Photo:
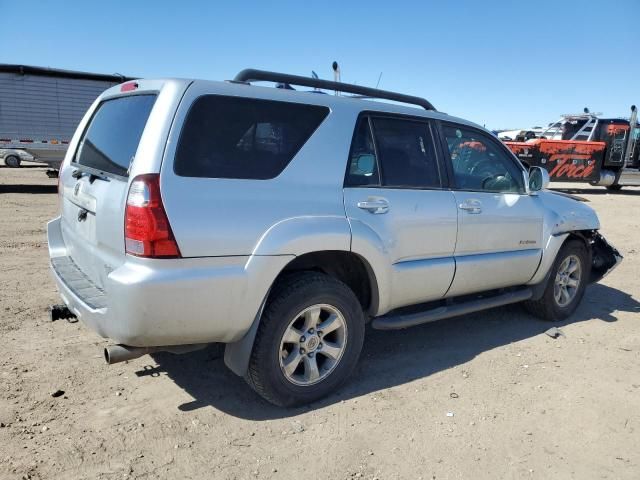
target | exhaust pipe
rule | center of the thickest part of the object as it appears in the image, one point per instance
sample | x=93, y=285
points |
x=607, y=178
x=123, y=353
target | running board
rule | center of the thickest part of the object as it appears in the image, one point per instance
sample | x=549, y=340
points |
x=395, y=322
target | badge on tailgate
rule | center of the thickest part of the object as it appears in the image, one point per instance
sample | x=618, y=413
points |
x=82, y=199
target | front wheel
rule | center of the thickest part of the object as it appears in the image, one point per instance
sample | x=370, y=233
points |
x=12, y=161
x=567, y=283
x=308, y=342
x=614, y=188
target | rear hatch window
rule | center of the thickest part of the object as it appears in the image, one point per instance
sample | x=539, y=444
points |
x=232, y=137
x=110, y=141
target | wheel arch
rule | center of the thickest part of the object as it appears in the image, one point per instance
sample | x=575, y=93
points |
x=346, y=266
x=602, y=256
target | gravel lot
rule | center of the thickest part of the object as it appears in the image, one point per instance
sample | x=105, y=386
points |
x=482, y=396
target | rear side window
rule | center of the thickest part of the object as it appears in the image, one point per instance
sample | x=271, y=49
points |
x=110, y=141
x=406, y=153
x=232, y=137
x=363, y=167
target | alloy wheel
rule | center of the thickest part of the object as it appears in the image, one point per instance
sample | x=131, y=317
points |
x=313, y=344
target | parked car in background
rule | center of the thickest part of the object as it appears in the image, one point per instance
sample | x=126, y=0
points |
x=14, y=158
x=280, y=222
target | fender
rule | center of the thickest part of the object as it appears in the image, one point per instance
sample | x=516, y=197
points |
x=551, y=248
x=286, y=240
x=366, y=243
x=563, y=215
x=300, y=235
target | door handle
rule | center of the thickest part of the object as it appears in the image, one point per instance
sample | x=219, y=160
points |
x=374, y=206
x=471, y=206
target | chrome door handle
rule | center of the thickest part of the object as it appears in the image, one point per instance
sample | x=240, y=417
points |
x=374, y=206
x=471, y=206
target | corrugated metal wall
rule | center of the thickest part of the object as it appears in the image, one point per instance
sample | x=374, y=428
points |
x=44, y=108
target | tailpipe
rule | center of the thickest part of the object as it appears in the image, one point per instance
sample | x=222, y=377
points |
x=607, y=178
x=122, y=353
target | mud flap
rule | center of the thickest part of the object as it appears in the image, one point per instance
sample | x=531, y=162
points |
x=604, y=258
x=238, y=354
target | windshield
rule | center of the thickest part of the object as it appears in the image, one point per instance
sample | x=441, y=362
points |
x=110, y=141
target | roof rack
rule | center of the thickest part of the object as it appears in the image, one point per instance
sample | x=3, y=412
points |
x=252, y=75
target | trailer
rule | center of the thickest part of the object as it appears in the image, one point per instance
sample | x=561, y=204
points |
x=586, y=148
x=40, y=109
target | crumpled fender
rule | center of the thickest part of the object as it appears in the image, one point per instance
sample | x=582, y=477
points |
x=564, y=214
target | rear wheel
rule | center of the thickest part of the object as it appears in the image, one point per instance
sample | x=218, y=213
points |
x=567, y=283
x=308, y=342
x=12, y=161
x=614, y=188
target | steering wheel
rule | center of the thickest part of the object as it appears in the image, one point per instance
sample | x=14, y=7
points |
x=498, y=178
x=481, y=167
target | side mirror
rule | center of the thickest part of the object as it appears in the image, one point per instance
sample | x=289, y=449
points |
x=538, y=179
x=365, y=164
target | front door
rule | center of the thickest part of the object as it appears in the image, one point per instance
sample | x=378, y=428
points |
x=394, y=198
x=499, y=240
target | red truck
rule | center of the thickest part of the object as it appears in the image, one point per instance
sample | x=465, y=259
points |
x=586, y=148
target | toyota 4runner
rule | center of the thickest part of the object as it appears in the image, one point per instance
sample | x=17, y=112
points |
x=279, y=222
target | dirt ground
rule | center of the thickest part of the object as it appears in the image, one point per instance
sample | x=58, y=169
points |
x=483, y=396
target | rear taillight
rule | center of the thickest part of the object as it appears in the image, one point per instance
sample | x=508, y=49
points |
x=146, y=227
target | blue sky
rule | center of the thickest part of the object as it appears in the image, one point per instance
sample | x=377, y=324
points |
x=499, y=63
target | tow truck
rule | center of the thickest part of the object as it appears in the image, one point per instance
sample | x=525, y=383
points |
x=586, y=148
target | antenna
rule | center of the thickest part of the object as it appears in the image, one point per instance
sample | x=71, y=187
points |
x=315, y=75
x=379, y=77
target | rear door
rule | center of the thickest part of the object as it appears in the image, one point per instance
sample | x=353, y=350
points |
x=95, y=182
x=394, y=193
x=499, y=240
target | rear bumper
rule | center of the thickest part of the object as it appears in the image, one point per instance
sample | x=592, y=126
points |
x=151, y=302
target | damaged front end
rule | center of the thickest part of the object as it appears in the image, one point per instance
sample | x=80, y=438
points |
x=604, y=257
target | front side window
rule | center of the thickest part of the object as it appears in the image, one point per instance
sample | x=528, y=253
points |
x=478, y=163
x=406, y=153
x=246, y=138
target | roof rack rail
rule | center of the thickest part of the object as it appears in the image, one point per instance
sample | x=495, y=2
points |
x=252, y=75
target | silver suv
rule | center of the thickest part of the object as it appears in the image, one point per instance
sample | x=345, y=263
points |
x=280, y=222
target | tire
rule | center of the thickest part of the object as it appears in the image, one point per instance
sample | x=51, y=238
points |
x=284, y=318
x=12, y=161
x=614, y=188
x=549, y=307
